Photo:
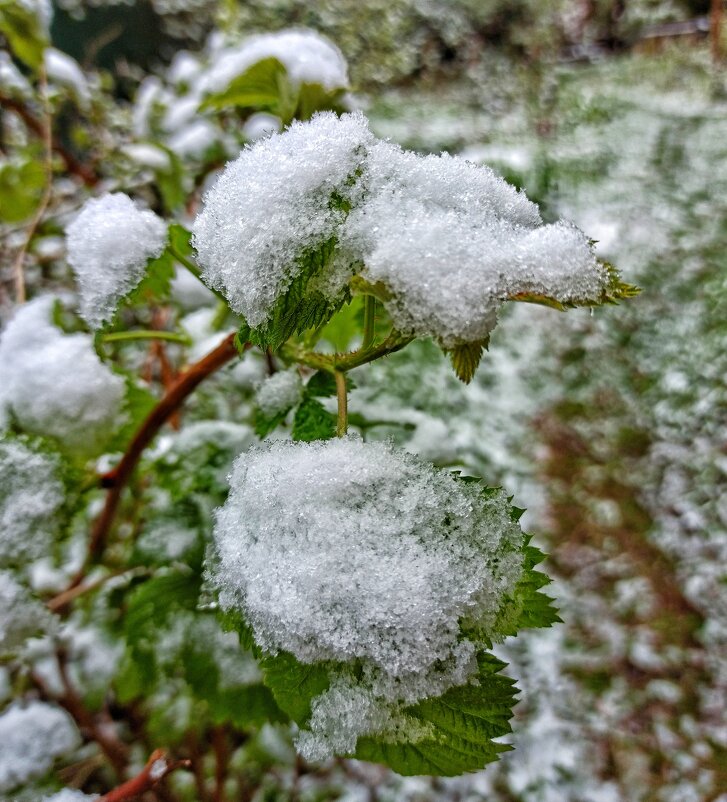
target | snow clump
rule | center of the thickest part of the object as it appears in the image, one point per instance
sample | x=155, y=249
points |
x=449, y=241
x=385, y=586
x=272, y=204
x=279, y=392
x=54, y=384
x=21, y=616
x=308, y=58
x=109, y=244
x=31, y=496
x=31, y=738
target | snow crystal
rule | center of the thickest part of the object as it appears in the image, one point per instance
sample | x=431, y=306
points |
x=308, y=57
x=109, y=244
x=31, y=738
x=54, y=384
x=11, y=79
x=386, y=585
x=274, y=202
x=146, y=155
x=450, y=241
x=21, y=616
x=279, y=392
x=31, y=495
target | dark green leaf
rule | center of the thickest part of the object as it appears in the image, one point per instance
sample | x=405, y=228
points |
x=313, y=422
x=264, y=87
x=22, y=29
x=463, y=723
x=465, y=359
x=294, y=684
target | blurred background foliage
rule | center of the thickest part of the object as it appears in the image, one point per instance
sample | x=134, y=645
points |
x=611, y=428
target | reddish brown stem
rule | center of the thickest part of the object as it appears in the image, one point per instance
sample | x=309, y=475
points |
x=117, y=479
x=221, y=749
x=715, y=30
x=156, y=769
x=73, y=165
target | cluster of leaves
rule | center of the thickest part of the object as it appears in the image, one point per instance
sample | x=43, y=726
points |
x=160, y=538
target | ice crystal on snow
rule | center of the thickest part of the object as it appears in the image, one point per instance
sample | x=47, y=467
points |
x=279, y=392
x=386, y=584
x=54, y=384
x=31, y=738
x=307, y=56
x=109, y=244
x=449, y=241
x=31, y=495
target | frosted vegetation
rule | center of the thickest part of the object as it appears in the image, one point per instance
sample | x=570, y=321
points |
x=299, y=566
x=109, y=245
x=384, y=591
x=445, y=242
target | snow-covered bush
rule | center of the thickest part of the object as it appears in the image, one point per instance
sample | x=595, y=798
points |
x=170, y=587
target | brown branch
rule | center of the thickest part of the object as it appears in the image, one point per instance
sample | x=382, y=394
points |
x=221, y=749
x=156, y=769
x=117, y=479
x=73, y=165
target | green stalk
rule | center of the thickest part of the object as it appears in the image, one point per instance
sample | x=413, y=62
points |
x=146, y=334
x=369, y=322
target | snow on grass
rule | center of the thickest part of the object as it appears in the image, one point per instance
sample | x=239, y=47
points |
x=386, y=585
x=109, y=244
x=54, y=384
x=31, y=738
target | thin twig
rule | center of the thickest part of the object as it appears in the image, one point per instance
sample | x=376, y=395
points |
x=221, y=749
x=62, y=600
x=117, y=479
x=157, y=768
x=47, y=136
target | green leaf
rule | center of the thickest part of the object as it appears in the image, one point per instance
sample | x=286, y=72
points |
x=315, y=97
x=313, y=422
x=264, y=424
x=23, y=30
x=321, y=384
x=615, y=290
x=298, y=309
x=462, y=722
x=21, y=187
x=466, y=357
x=294, y=684
x=246, y=706
x=264, y=86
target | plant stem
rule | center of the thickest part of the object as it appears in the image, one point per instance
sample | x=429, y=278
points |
x=147, y=334
x=342, y=425
x=369, y=322
x=157, y=767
